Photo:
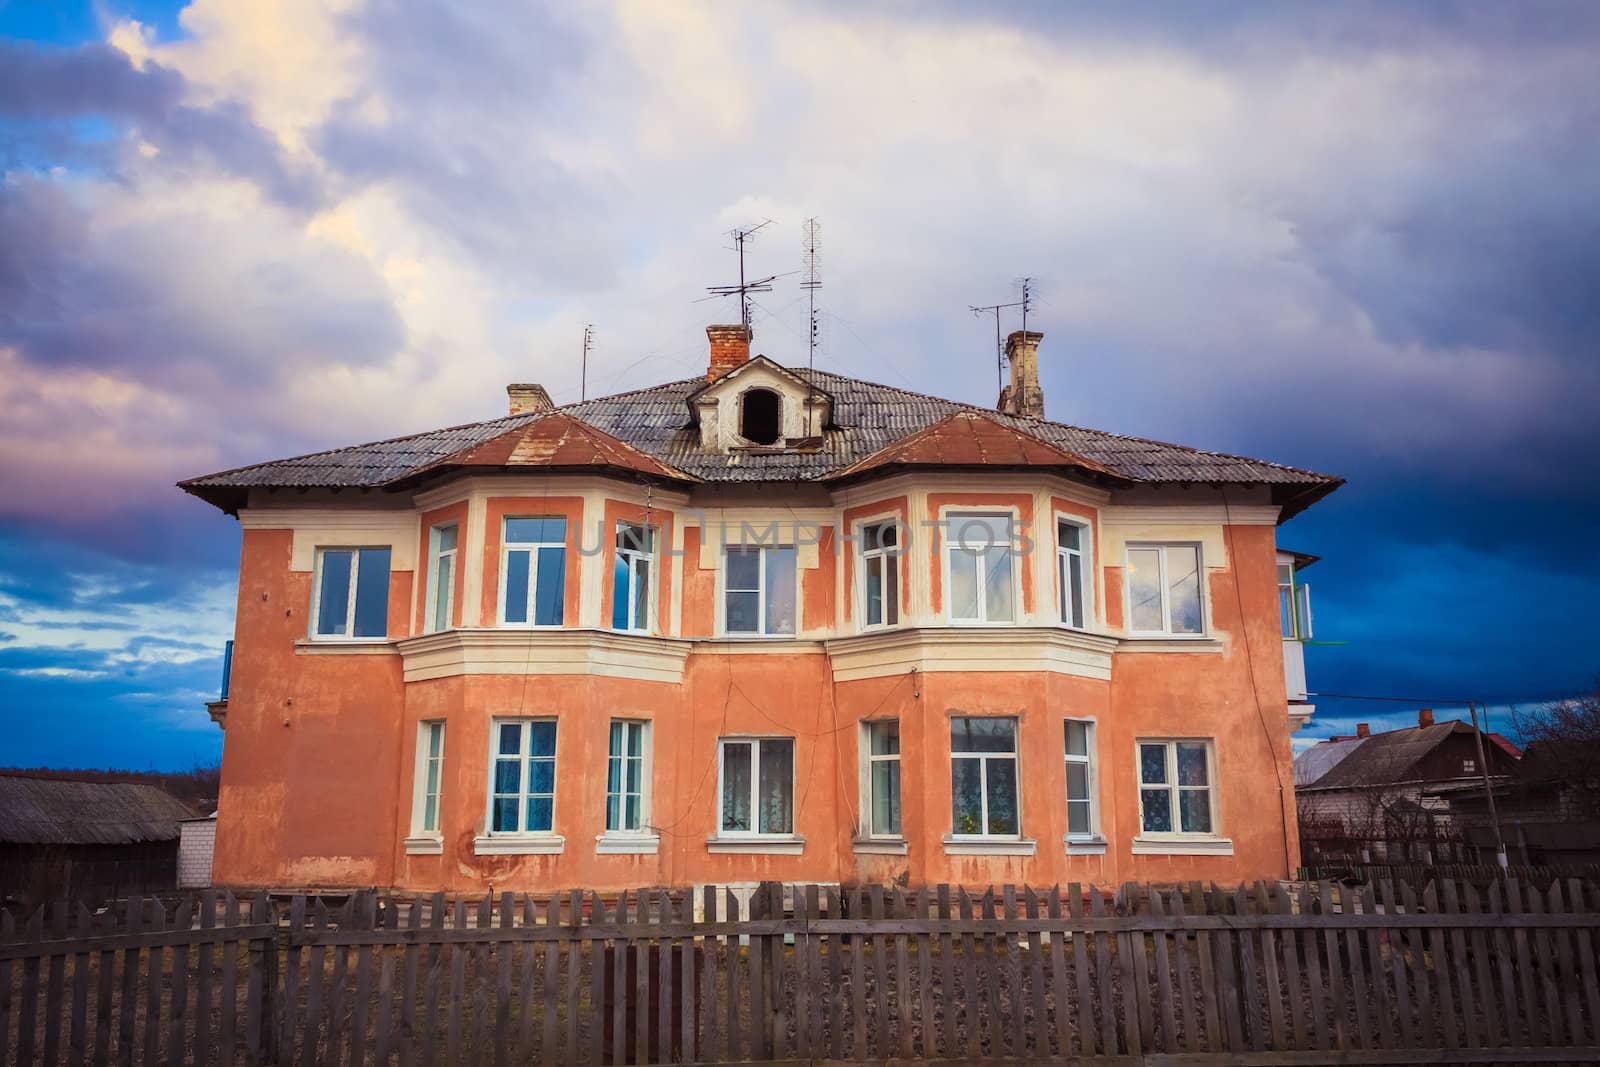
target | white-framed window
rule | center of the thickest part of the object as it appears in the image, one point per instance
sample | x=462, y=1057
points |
x=441, y=592
x=1469, y=766
x=757, y=786
x=628, y=777
x=522, y=788
x=1164, y=590
x=760, y=590
x=1082, y=818
x=631, y=577
x=983, y=778
x=350, y=597
x=1074, y=578
x=880, y=800
x=1294, y=605
x=1175, y=794
x=533, y=571
x=429, y=779
x=880, y=574
x=980, y=570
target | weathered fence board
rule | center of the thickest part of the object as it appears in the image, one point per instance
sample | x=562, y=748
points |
x=1270, y=973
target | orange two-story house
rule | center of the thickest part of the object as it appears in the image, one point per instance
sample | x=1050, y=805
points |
x=767, y=623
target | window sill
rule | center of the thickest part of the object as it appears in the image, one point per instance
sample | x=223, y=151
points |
x=1169, y=643
x=424, y=845
x=773, y=846
x=1182, y=846
x=881, y=846
x=627, y=844
x=978, y=846
x=1084, y=846
x=511, y=845
x=339, y=646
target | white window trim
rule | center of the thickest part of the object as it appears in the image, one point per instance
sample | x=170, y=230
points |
x=1085, y=555
x=632, y=556
x=890, y=558
x=761, y=597
x=419, y=790
x=1166, y=600
x=646, y=778
x=1014, y=514
x=348, y=637
x=865, y=836
x=1178, y=837
x=430, y=622
x=1092, y=762
x=512, y=841
x=533, y=547
x=954, y=838
x=754, y=837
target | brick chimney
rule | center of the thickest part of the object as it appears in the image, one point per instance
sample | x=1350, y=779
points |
x=527, y=398
x=1425, y=717
x=1363, y=730
x=730, y=348
x=1023, y=396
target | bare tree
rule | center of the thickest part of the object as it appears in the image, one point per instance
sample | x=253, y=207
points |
x=1563, y=748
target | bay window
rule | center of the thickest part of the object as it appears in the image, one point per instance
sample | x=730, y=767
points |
x=881, y=796
x=983, y=778
x=1073, y=580
x=523, y=781
x=429, y=779
x=979, y=567
x=1081, y=822
x=631, y=577
x=441, y=578
x=350, y=598
x=533, y=572
x=1164, y=594
x=627, y=784
x=880, y=574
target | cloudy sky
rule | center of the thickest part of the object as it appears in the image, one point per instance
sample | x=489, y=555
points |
x=1359, y=238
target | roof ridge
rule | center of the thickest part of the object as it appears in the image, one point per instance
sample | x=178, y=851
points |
x=1074, y=426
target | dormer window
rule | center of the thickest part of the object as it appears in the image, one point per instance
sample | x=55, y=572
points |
x=760, y=416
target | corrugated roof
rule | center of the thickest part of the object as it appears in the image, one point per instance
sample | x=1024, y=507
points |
x=1323, y=757
x=48, y=811
x=1387, y=758
x=866, y=418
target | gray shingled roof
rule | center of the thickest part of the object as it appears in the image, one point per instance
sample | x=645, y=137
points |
x=49, y=811
x=866, y=418
x=1385, y=758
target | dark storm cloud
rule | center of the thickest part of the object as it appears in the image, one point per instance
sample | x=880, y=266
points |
x=43, y=85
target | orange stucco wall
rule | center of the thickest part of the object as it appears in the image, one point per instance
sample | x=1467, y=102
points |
x=320, y=747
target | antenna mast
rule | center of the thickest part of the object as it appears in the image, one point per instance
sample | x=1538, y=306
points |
x=999, y=346
x=583, y=378
x=811, y=282
x=744, y=288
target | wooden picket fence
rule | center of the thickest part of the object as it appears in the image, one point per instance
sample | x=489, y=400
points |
x=1269, y=974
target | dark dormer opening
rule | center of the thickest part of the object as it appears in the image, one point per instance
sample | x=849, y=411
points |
x=759, y=411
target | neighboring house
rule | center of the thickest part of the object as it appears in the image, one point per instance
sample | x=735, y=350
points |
x=88, y=841
x=768, y=622
x=1548, y=806
x=1383, y=789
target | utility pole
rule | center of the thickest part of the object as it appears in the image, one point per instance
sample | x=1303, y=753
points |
x=1488, y=790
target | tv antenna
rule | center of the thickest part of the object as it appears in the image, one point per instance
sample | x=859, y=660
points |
x=762, y=285
x=811, y=282
x=999, y=346
x=583, y=376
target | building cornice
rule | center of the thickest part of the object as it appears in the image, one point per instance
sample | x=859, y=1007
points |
x=970, y=648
